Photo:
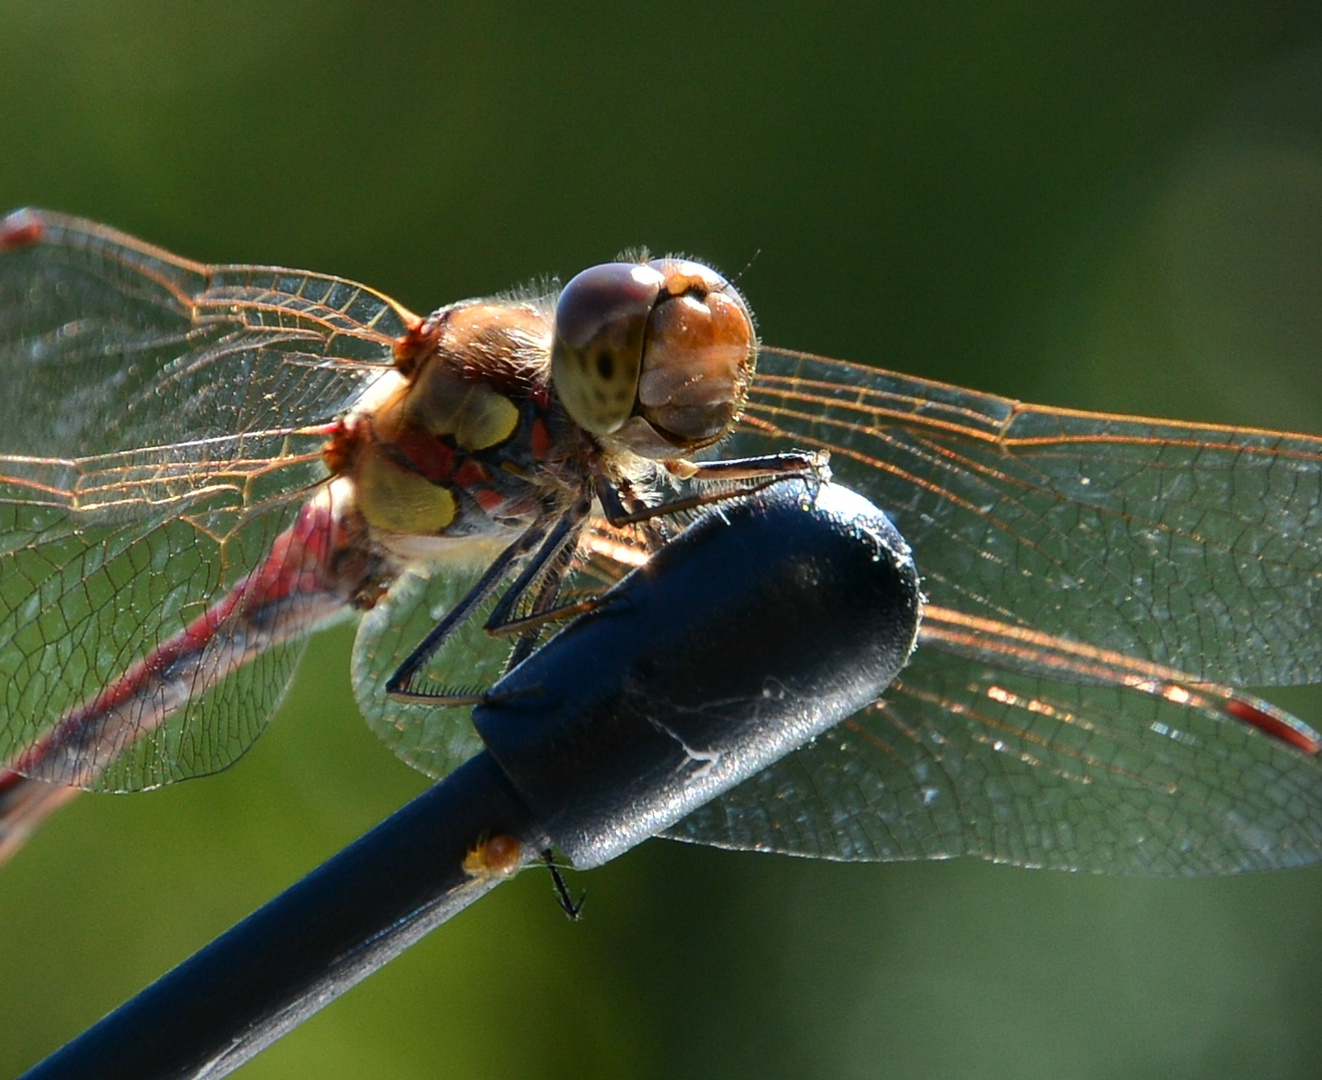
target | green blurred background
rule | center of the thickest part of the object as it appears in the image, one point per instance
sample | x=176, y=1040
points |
x=1103, y=205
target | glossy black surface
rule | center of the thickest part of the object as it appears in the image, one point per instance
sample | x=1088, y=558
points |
x=766, y=622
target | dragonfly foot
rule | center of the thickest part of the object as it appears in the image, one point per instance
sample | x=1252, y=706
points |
x=572, y=908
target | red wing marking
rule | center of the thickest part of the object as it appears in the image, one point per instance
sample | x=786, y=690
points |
x=251, y=617
x=20, y=231
x=1029, y=650
x=1278, y=727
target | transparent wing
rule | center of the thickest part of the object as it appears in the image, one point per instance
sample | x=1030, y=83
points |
x=437, y=739
x=111, y=346
x=161, y=422
x=432, y=739
x=1182, y=544
x=1044, y=756
x=84, y=602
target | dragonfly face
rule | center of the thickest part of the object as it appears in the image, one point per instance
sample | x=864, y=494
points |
x=499, y=414
x=203, y=464
x=654, y=358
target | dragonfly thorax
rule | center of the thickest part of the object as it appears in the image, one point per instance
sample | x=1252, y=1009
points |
x=464, y=438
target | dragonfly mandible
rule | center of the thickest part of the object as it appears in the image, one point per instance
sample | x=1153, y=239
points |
x=204, y=464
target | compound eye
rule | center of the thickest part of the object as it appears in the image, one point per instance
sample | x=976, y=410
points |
x=597, y=353
x=698, y=358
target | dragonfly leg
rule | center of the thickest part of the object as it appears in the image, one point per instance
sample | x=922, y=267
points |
x=571, y=907
x=767, y=466
x=621, y=506
x=544, y=609
x=549, y=563
x=764, y=471
x=545, y=570
x=400, y=685
x=620, y=501
x=545, y=574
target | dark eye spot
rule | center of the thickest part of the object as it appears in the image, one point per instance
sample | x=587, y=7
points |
x=605, y=366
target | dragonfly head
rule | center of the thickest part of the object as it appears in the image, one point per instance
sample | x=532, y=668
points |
x=655, y=356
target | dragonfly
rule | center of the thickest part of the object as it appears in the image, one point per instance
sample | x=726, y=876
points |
x=201, y=465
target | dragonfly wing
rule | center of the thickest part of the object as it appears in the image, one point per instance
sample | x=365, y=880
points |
x=214, y=729
x=154, y=442
x=111, y=345
x=970, y=755
x=433, y=739
x=85, y=598
x=1183, y=544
